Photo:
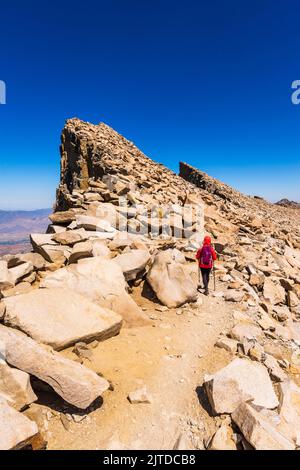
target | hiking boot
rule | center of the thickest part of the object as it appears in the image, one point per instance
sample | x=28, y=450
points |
x=206, y=292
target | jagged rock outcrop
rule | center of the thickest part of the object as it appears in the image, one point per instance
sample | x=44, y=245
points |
x=98, y=163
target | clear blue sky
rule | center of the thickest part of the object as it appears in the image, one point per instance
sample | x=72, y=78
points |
x=208, y=82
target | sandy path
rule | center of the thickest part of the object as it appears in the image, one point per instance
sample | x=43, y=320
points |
x=170, y=358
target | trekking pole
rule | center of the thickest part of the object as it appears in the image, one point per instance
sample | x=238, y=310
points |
x=214, y=274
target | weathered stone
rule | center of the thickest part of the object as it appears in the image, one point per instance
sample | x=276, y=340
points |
x=281, y=313
x=275, y=293
x=243, y=331
x=94, y=223
x=242, y=380
x=6, y=280
x=2, y=310
x=20, y=271
x=274, y=369
x=63, y=218
x=100, y=248
x=54, y=253
x=75, y=383
x=81, y=250
x=170, y=280
x=234, y=296
x=69, y=237
x=56, y=229
x=16, y=430
x=256, y=280
x=60, y=317
x=296, y=290
x=102, y=282
x=22, y=288
x=40, y=239
x=140, y=396
x=228, y=344
x=258, y=430
x=223, y=439
x=289, y=410
x=35, y=259
x=15, y=386
x=292, y=299
x=29, y=278
x=133, y=263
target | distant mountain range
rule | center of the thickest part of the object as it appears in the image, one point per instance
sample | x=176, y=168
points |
x=15, y=227
x=287, y=203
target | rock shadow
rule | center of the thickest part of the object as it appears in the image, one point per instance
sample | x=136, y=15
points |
x=203, y=400
x=149, y=294
x=48, y=397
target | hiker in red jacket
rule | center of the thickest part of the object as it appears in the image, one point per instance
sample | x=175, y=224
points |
x=206, y=256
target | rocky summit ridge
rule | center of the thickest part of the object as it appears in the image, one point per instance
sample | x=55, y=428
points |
x=120, y=248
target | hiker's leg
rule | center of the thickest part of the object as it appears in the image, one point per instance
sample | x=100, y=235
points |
x=203, y=276
x=206, y=279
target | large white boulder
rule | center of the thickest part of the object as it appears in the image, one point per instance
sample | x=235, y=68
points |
x=241, y=380
x=101, y=281
x=170, y=279
x=60, y=317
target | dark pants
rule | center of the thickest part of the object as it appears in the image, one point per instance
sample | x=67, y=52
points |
x=205, y=277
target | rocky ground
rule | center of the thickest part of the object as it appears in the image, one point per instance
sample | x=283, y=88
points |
x=105, y=340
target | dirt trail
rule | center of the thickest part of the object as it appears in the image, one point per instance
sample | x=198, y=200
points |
x=170, y=357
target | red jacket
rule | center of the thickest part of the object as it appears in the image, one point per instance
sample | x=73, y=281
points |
x=213, y=254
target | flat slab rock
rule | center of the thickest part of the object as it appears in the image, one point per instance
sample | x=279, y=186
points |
x=15, y=387
x=16, y=430
x=101, y=281
x=133, y=262
x=241, y=380
x=260, y=429
x=60, y=317
x=75, y=383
